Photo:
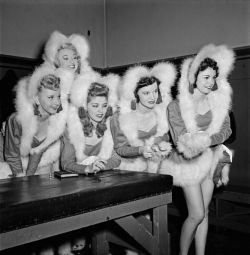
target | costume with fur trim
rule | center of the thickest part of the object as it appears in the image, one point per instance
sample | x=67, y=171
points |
x=75, y=137
x=124, y=126
x=22, y=126
x=193, y=145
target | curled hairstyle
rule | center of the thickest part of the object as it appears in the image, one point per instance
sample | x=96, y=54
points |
x=69, y=46
x=146, y=81
x=207, y=62
x=49, y=81
x=95, y=90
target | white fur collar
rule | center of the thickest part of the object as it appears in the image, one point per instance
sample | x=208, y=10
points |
x=128, y=125
x=219, y=101
x=28, y=120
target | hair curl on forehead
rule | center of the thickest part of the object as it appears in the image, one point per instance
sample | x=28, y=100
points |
x=208, y=62
x=146, y=81
x=49, y=81
x=97, y=90
x=68, y=46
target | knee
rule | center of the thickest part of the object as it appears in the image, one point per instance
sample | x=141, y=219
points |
x=197, y=216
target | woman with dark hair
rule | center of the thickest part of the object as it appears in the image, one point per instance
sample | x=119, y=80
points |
x=32, y=144
x=88, y=144
x=140, y=128
x=199, y=124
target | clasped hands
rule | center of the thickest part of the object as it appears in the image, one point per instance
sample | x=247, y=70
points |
x=94, y=164
x=155, y=151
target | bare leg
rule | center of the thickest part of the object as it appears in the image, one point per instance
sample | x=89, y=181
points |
x=207, y=188
x=194, y=200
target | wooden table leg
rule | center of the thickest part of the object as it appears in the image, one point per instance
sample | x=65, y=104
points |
x=100, y=245
x=160, y=230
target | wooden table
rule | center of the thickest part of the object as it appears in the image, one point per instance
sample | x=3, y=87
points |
x=36, y=207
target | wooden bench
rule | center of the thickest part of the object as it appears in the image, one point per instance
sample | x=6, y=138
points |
x=37, y=207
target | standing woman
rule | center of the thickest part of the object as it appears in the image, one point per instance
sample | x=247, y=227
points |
x=88, y=144
x=32, y=143
x=70, y=52
x=199, y=124
x=140, y=128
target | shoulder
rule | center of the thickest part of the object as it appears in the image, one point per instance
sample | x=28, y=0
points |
x=174, y=106
x=13, y=120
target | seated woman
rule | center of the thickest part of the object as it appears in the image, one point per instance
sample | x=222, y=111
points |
x=199, y=125
x=88, y=145
x=140, y=128
x=32, y=135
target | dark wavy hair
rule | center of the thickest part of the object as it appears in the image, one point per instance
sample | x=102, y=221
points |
x=146, y=81
x=69, y=46
x=95, y=90
x=207, y=62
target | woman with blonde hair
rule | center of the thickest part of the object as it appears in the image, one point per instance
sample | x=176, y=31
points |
x=32, y=135
x=199, y=125
x=69, y=52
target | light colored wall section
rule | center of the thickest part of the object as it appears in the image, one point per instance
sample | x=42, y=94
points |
x=144, y=30
x=27, y=24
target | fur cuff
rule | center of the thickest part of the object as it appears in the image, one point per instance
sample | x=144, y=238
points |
x=191, y=145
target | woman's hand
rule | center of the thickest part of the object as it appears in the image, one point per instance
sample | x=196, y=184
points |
x=99, y=165
x=146, y=151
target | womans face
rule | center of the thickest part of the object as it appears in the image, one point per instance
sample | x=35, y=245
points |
x=68, y=59
x=49, y=100
x=206, y=80
x=148, y=95
x=97, y=108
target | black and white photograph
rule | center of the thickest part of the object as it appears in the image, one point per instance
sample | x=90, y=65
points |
x=124, y=127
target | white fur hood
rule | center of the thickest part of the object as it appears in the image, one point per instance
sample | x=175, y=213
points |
x=219, y=100
x=26, y=90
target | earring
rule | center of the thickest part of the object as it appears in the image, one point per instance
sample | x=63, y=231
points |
x=36, y=110
x=133, y=105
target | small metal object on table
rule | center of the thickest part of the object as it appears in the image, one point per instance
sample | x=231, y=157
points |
x=36, y=207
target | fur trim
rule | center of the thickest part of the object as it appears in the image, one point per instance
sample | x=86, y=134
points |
x=5, y=171
x=26, y=91
x=128, y=125
x=49, y=157
x=223, y=56
x=82, y=84
x=77, y=138
x=192, y=144
x=219, y=100
x=128, y=86
x=76, y=134
x=138, y=164
x=57, y=39
x=165, y=72
x=217, y=156
x=189, y=172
